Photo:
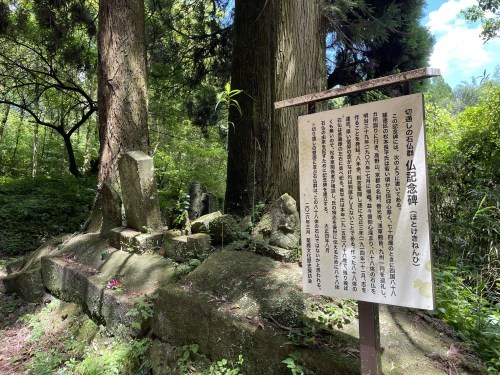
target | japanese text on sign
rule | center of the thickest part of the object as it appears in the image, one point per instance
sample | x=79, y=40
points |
x=364, y=210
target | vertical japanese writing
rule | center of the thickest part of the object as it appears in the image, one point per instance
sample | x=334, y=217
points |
x=342, y=204
x=365, y=233
x=334, y=198
x=324, y=168
x=390, y=196
x=387, y=197
x=395, y=146
x=350, y=198
x=411, y=185
x=368, y=190
x=307, y=220
x=358, y=201
x=317, y=247
x=378, y=202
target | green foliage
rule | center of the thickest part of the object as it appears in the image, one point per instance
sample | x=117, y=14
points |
x=463, y=164
x=143, y=309
x=473, y=310
x=65, y=341
x=48, y=57
x=334, y=315
x=488, y=13
x=117, y=357
x=46, y=363
x=34, y=210
x=464, y=154
x=191, y=361
x=294, y=363
x=369, y=39
x=226, y=98
x=185, y=157
x=223, y=367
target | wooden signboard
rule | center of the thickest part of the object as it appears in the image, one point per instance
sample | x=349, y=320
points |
x=364, y=203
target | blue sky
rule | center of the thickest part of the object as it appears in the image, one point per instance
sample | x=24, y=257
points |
x=459, y=51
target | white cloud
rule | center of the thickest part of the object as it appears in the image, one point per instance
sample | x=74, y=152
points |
x=459, y=50
x=447, y=17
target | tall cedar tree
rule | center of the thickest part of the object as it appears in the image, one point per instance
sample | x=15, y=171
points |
x=279, y=52
x=122, y=91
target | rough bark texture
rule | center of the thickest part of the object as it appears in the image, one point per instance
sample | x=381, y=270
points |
x=300, y=70
x=278, y=53
x=122, y=93
x=249, y=137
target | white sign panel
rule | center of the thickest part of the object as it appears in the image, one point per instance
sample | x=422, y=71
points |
x=364, y=203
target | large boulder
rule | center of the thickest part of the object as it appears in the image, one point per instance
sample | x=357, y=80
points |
x=243, y=303
x=202, y=224
x=223, y=229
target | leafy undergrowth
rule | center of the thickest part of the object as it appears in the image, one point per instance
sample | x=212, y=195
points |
x=55, y=337
x=33, y=210
x=58, y=338
x=473, y=311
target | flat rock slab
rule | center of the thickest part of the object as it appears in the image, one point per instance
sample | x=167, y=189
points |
x=243, y=303
x=26, y=282
x=132, y=241
x=82, y=272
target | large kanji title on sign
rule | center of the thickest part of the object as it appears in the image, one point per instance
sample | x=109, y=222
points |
x=364, y=203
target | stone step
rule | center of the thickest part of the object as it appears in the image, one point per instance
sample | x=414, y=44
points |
x=133, y=241
x=86, y=274
x=183, y=248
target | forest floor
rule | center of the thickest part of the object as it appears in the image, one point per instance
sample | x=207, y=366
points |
x=15, y=349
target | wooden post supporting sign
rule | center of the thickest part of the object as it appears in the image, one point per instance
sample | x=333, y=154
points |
x=369, y=338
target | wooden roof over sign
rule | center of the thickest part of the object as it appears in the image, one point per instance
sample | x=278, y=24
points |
x=394, y=79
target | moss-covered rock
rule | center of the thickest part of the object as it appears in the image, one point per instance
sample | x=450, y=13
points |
x=27, y=281
x=223, y=229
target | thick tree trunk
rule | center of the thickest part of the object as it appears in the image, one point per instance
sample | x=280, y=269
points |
x=122, y=93
x=73, y=167
x=279, y=53
x=249, y=136
x=300, y=69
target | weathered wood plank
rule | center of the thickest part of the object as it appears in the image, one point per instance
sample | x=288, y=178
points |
x=412, y=75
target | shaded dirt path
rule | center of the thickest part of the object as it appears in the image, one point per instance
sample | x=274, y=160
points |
x=15, y=350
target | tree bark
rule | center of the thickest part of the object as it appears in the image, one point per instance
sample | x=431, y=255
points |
x=122, y=92
x=73, y=167
x=34, y=168
x=249, y=135
x=4, y=121
x=279, y=53
x=300, y=69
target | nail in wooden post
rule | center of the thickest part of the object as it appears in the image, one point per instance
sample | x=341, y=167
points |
x=369, y=338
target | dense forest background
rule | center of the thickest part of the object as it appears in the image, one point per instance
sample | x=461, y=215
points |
x=49, y=130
